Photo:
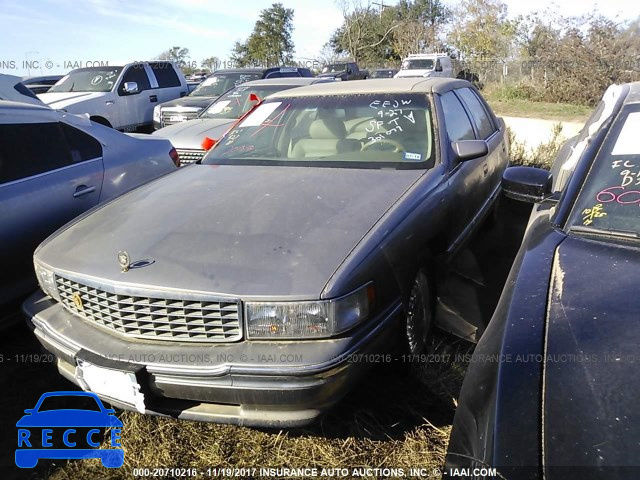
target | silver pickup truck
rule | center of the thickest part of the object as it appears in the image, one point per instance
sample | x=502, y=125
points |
x=118, y=97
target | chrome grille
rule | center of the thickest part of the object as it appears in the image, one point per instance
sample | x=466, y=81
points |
x=189, y=156
x=193, y=320
x=171, y=118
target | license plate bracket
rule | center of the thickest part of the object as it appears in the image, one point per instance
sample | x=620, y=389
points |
x=119, y=384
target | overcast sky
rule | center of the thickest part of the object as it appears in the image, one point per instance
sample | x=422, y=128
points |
x=53, y=32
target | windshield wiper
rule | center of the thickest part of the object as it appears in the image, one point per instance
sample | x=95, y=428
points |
x=606, y=232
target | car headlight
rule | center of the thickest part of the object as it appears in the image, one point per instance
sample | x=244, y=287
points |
x=314, y=319
x=47, y=281
x=156, y=113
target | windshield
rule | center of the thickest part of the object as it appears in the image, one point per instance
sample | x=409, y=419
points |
x=336, y=67
x=356, y=131
x=88, y=80
x=610, y=197
x=217, y=84
x=235, y=103
x=418, y=64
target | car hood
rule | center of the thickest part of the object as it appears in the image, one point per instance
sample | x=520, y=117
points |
x=591, y=390
x=191, y=133
x=190, y=102
x=63, y=99
x=248, y=231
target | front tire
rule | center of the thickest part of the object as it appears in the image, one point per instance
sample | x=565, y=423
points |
x=419, y=315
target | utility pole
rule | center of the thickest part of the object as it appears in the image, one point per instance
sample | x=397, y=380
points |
x=381, y=5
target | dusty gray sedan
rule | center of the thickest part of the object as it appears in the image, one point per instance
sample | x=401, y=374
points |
x=258, y=285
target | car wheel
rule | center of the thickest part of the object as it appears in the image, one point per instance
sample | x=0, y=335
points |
x=419, y=314
x=101, y=121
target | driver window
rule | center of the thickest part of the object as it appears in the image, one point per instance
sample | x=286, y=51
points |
x=135, y=73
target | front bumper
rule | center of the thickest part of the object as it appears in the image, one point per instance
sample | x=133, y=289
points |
x=254, y=383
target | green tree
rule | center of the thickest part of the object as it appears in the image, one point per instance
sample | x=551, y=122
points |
x=270, y=43
x=423, y=23
x=176, y=54
x=481, y=30
x=365, y=34
x=211, y=63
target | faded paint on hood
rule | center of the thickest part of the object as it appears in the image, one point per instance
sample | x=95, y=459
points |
x=590, y=409
x=241, y=230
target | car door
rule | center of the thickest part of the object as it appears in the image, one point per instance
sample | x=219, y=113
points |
x=136, y=108
x=465, y=178
x=49, y=174
x=486, y=129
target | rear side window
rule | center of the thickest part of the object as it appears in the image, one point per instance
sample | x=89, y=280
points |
x=135, y=73
x=165, y=74
x=30, y=149
x=81, y=145
x=478, y=113
x=456, y=119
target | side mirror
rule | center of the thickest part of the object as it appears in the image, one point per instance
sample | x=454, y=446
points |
x=438, y=67
x=130, y=87
x=349, y=71
x=109, y=410
x=469, y=149
x=29, y=411
x=527, y=184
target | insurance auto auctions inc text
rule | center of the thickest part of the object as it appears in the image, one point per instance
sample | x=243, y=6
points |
x=311, y=472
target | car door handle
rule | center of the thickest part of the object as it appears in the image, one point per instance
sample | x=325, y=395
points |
x=83, y=190
x=485, y=169
x=153, y=98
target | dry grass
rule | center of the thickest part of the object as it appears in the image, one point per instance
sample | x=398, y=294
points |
x=542, y=156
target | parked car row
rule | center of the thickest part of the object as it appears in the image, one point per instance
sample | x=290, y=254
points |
x=188, y=137
x=219, y=82
x=312, y=227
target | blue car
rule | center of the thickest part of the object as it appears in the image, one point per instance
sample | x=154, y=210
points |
x=55, y=166
x=58, y=410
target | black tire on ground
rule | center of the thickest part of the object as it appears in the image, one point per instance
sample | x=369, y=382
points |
x=419, y=314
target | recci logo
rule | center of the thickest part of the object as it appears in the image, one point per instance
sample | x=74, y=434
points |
x=68, y=425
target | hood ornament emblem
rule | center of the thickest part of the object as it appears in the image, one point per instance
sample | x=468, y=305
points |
x=123, y=260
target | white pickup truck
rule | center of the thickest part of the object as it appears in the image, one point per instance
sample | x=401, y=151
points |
x=426, y=65
x=119, y=97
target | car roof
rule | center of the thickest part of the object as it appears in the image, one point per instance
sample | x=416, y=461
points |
x=283, y=81
x=382, y=86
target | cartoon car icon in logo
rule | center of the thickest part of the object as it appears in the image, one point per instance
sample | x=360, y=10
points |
x=67, y=425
